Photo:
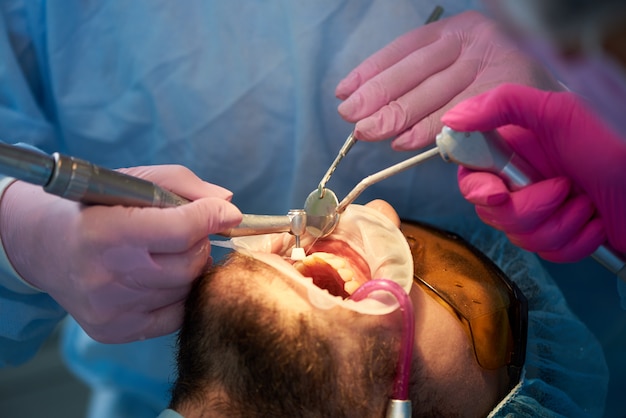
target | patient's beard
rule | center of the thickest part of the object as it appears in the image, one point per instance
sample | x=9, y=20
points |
x=271, y=362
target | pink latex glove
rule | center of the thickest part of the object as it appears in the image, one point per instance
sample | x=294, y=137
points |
x=583, y=201
x=122, y=273
x=404, y=89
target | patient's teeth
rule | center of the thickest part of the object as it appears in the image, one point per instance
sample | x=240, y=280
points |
x=351, y=286
x=333, y=260
x=309, y=260
x=337, y=263
x=346, y=274
x=300, y=266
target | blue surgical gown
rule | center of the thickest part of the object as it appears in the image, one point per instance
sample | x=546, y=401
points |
x=241, y=92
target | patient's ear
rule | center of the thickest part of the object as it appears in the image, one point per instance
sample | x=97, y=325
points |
x=386, y=209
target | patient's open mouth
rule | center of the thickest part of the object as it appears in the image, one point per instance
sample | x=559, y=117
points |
x=334, y=266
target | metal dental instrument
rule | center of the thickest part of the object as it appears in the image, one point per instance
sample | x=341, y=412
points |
x=294, y=223
x=342, y=153
x=323, y=213
x=435, y=14
x=384, y=174
x=81, y=181
x=482, y=151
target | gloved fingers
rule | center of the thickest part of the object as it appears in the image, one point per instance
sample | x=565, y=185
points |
x=172, y=230
x=128, y=296
x=560, y=228
x=165, y=320
x=389, y=55
x=481, y=188
x=117, y=309
x=175, y=270
x=420, y=135
x=527, y=208
x=399, y=79
x=138, y=325
x=404, y=112
x=423, y=124
x=180, y=180
x=580, y=246
x=504, y=105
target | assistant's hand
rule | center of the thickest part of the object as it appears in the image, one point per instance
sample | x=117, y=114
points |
x=406, y=87
x=583, y=200
x=122, y=273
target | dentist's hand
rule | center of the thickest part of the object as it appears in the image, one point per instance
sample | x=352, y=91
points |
x=122, y=273
x=582, y=202
x=404, y=89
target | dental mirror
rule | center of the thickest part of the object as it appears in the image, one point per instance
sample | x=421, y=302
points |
x=321, y=212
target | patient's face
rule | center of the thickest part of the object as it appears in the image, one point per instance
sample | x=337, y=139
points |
x=254, y=336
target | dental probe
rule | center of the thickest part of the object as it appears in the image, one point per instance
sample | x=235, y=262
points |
x=487, y=151
x=434, y=15
x=81, y=181
x=342, y=153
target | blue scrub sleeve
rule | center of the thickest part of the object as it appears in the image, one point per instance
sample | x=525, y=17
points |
x=169, y=413
x=27, y=316
x=621, y=289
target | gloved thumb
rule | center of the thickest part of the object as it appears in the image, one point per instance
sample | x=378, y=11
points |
x=180, y=180
x=503, y=105
x=527, y=208
x=213, y=215
x=482, y=189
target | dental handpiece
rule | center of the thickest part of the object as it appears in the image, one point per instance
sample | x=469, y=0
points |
x=81, y=181
x=488, y=151
x=294, y=222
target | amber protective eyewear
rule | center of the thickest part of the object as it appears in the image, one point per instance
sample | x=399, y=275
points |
x=490, y=307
